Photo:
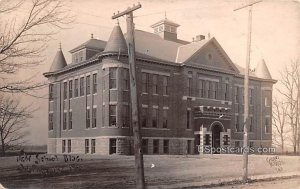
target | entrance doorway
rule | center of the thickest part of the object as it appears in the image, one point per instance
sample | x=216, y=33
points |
x=112, y=146
x=216, y=136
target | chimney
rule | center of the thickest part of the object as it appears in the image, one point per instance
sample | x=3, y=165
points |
x=199, y=38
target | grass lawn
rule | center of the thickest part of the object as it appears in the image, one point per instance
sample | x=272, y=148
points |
x=118, y=171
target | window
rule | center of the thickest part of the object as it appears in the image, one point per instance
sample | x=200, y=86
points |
x=207, y=91
x=76, y=88
x=88, y=118
x=65, y=90
x=81, y=86
x=155, y=146
x=94, y=117
x=125, y=115
x=207, y=139
x=87, y=146
x=93, y=146
x=267, y=125
x=243, y=99
x=69, y=146
x=63, y=146
x=51, y=92
x=94, y=83
x=103, y=115
x=251, y=124
x=125, y=96
x=189, y=86
x=144, y=117
x=226, y=91
x=125, y=79
x=70, y=89
x=251, y=144
x=251, y=96
x=112, y=146
x=155, y=85
x=165, y=85
x=237, y=129
x=50, y=121
x=103, y=83
x=145, y=146
x=188, y=118
x=70, y=120
x=201, y=86
x=214, y=88
x=154, y=117
x=112, y=78
x=65, y=121
x=165, y=118
x=237, y=144
x=189, y=147
x=145, y=82
x=236, y=94
x=166, y=147
x=226, y=140
x=88, y=84
x=267, y=102
x=112, y=115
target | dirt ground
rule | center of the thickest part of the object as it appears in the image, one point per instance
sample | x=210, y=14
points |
x=160, y=171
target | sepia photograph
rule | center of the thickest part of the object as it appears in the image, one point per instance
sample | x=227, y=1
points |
x=150, y=94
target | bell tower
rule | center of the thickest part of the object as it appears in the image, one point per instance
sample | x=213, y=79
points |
x=166, y=29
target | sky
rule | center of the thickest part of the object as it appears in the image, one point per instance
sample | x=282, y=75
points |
x=275, y=34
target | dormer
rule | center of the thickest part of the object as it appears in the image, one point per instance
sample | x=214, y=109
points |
x=166, y=29
x=87, y=50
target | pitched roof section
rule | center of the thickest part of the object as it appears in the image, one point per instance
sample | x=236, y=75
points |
x=152, y=45
x=59, y=61
x=165, y=21
x=262, y=70
x=186, y=51
x=116, y=42
x=91, y=43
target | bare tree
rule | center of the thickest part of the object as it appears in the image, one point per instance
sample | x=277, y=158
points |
x=290, y=81
x=13, y=118
x=25, y=28
x=280, y=111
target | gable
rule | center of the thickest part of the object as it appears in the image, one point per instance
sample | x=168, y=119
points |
x=212, y=56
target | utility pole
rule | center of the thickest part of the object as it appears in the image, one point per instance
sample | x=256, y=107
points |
x=246, y=90
x=139, y=163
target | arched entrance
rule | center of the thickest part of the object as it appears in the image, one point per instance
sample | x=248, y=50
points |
x=216, y=129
